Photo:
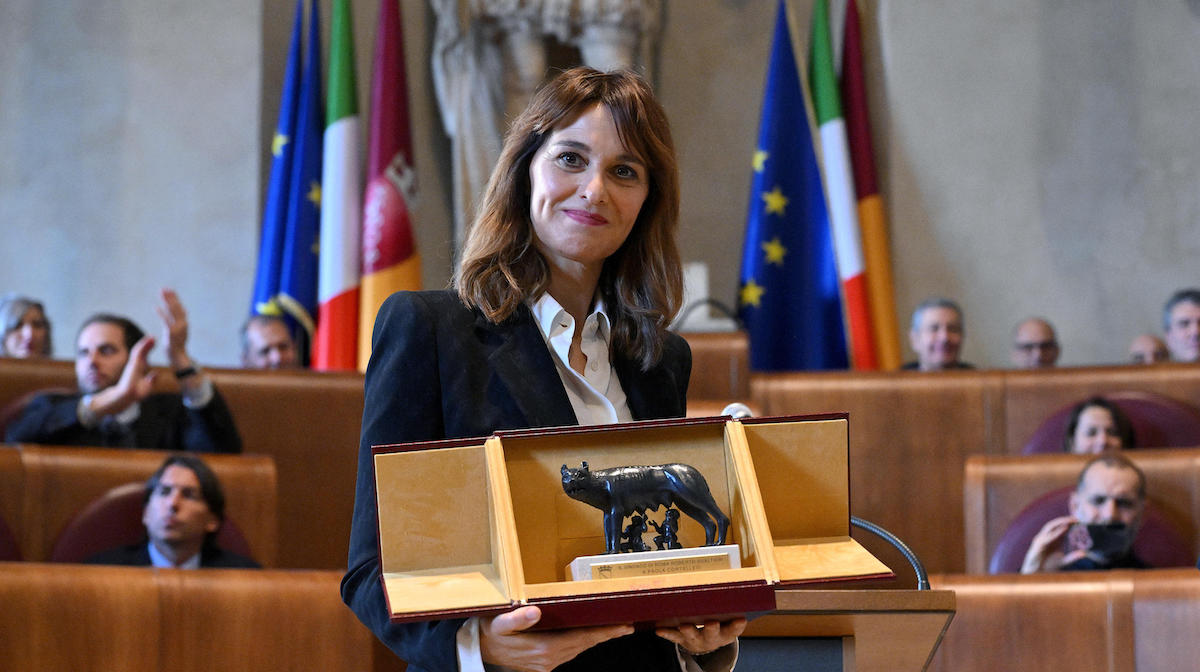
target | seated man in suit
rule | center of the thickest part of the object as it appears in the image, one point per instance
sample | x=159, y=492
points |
x=1035, y=345
x=936, y=336
x=267, y=343
x=114, y=405
x=1106, y=512
x=1181, y=325
x=1148, y=349
x=184, y=511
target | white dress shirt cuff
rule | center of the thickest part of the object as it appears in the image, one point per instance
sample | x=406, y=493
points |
x=197, y=397
x=470, y=657
x=84, y=412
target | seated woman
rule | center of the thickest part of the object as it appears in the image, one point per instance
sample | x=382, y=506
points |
x=1097, y=425
x=26, y=329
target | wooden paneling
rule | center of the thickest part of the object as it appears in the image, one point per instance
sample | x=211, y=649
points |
x=82, y=617
x=909, y=435
x=12, y=488
x=1166, y=618
x=720, y=366
x=309, y=422
x=887, y=630
x=280, y=621
x=1117, y=621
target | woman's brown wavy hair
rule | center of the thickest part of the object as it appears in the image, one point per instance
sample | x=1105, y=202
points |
x=641, y=284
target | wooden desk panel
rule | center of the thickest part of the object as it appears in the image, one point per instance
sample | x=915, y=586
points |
x=309, y=422
x=60, y=617
x=1166, y=618
x=884, y=630
x=96, y=618
x=909, y=436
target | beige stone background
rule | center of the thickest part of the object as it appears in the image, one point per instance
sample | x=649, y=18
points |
x=1037, y=156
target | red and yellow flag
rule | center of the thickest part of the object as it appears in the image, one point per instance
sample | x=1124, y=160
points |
x=872, y=218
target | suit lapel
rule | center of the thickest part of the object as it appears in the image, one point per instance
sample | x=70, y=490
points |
x=650, y=394
x=523, y=364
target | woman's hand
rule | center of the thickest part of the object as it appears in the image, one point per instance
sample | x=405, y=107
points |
x=701, y=639
x=504, y=640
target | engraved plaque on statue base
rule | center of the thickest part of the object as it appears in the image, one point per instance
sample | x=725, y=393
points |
x=654, y=563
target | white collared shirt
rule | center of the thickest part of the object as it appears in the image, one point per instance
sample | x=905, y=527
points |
x=157, y=559
x=597, y=396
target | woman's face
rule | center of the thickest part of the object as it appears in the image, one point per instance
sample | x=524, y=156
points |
x=28, y=338
x=587, y=189
x=1095, y=433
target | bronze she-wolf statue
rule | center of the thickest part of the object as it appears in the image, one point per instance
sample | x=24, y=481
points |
x=622, y=491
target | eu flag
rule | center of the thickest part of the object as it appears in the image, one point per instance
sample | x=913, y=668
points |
x=274, y=222
x=298, y=279
x=789, y=296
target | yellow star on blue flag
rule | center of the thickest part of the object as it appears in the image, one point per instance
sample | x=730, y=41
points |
x=776, y=202
x=793, y=310
x=751, y=294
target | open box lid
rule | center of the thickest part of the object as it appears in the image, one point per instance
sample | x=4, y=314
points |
x=446, y=546
x=457, y=540
x=800, y=465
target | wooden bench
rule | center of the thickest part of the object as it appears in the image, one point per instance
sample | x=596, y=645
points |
x=1031, y=396
x=909, y=434
x=82, y=617
x=998, y=487
x=1120, y=621
x=12, y=488
x=43, y=487
x=307, y=422
x=720, y=366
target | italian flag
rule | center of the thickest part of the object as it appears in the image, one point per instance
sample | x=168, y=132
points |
x=336, y=345
x=839, y=187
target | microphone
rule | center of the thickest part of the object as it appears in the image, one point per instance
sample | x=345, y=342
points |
x=737, y=410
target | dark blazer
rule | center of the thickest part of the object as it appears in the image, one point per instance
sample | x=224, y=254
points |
x=439, y=370
x=163, y=422
x=138, y=555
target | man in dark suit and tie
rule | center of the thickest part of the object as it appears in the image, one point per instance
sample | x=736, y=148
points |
x=184, y=510
x=114, y=405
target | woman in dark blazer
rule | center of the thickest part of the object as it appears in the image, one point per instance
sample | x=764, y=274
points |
x=558, y=316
